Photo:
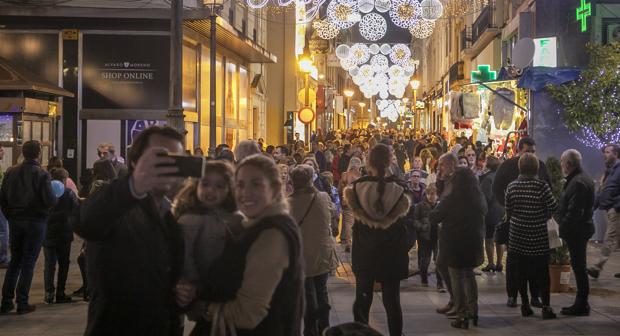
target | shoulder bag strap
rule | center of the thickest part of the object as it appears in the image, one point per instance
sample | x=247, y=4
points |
x=301, y=221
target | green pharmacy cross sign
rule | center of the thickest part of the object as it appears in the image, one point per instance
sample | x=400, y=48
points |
x=583, y=12
x=484, y=74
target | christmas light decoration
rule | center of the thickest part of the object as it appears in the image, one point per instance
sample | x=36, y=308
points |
x=359, y=53
x=342, y=51
x=422, y=29
x=385, y=49
x=431, y=9
x=347, y=63
x=373, y=27
x=383, y=6
x=374, y=49
x=325, y=29
x=404, y=13
x=400, y=54
x=380, y=63
x=342, y=14
x=366, y=6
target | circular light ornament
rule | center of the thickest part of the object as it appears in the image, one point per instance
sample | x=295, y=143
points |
x=385, y=49
x=374, y=49
x=256, y=4
x=384, y=94
x=404, y=13
x=400, y=54
x=342, y=14
x=342, y=51
x=431, y=9
x=326, y=29
x=373, y=27
x=359, y=53
x=422, y=29
x=396, y=71
x=380, y=63
x=367, y=71
x=354, y=71
x=347, y=63
x=366, y=6
x=383, y=6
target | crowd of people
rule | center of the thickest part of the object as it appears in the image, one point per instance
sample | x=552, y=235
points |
x=248, y=247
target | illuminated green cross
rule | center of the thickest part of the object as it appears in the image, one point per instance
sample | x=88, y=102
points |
x=583, y=12
x=484, y=74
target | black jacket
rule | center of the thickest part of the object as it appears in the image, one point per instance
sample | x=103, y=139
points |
x=379, y=248
x=58, y=230
x=134, y=258
x=26, y=192
x=609, y=198
x=461, y=234
x=575, y=208
x=508, y=172
x=495, y=210
x=421, y=221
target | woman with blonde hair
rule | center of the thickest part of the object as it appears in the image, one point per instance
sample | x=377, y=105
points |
x=354, y=172
x=256, y=286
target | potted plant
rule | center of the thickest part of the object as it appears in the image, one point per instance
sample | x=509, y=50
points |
x=559, y=260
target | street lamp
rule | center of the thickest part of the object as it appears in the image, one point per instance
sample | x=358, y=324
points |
x=348, y=93
x=306, y=66
x=216, y=7
x=415, y=85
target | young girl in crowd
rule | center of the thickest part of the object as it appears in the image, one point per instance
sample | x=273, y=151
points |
x=57, y=242
x=205, y=209
x=427, y=235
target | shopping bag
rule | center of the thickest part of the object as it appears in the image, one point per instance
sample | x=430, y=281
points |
x=553, y=230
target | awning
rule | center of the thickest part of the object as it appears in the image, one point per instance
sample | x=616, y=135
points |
x=17, y=78
x=229, y=38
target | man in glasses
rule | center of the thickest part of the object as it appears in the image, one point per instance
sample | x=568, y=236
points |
x=506, y=173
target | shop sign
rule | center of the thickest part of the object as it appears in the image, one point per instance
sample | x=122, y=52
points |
x=306, y=115
x=125, y=72
x=546, y=52
x=135, y=127
x=484, y=74
x=583, y=12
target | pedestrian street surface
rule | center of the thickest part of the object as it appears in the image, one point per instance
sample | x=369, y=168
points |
x=418, y=303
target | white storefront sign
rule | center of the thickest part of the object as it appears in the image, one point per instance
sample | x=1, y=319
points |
x=546, y=52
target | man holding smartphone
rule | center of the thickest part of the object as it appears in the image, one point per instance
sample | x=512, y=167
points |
x=134, y=245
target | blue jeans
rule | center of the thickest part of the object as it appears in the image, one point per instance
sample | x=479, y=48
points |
x=25, y=237
x=4, y=240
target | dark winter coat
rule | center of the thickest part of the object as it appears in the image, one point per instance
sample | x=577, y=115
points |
x=379, y=247
x=609, y=198
x=508, y=172
x=461, y=234
x=495, y=210
x=134, y=259
x=59, y=230
x=575, y=208
x=26, y=192
x=421, y=221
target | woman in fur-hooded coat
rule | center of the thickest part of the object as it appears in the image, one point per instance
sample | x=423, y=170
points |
x=379, y=250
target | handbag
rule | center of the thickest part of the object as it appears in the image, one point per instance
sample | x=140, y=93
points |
x=553, y=230
x=220, y=326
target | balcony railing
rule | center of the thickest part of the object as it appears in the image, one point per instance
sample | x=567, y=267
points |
x=456, y=72
x=465, y=38
x=482, y=23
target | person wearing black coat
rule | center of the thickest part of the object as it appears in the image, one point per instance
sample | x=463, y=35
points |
x=574, y=216
x=379, y=251
x=427, y=234
x=26, y=198
x=134, y=249
x=493, y=218
x=461, y=213
x=57, y=242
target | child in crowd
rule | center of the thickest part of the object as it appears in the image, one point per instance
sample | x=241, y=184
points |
x=206, y=211
x=57, y=241
x=328, y=177
x=427, y=235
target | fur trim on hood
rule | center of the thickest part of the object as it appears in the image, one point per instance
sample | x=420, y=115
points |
x=395, y=201
x=277, y=208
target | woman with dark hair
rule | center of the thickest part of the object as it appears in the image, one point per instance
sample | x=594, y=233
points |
x=493, y=217
x=461, y=213
x=379, y=251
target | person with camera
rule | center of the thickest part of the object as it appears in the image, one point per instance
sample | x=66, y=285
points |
x=134, y=244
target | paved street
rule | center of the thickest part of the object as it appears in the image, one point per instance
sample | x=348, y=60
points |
x=419, y=304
